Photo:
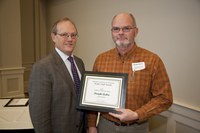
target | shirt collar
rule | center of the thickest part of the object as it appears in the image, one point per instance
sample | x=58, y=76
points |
x=62, y=55
x=127, y=55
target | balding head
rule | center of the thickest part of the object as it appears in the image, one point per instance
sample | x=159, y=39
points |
x=124, y=18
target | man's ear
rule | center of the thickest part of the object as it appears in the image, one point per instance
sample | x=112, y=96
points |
x=136, y=31
x=53, y=37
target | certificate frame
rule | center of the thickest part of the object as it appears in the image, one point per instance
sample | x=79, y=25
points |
x=17, y=102
x=102, y=91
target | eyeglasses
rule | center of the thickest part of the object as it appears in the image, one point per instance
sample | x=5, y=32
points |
x=124, y=29
x=66, y=35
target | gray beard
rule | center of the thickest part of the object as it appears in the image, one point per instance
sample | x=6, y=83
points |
x=122, y=44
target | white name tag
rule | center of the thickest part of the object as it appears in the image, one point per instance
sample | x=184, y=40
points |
x=138, y=66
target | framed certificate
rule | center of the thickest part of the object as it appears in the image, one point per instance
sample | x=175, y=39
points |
x=102, y=91
x=16, y=102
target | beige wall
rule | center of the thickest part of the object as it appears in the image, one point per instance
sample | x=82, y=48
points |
x=11, y=70
x=22, y=42
x=169, y=28
x=10, y=34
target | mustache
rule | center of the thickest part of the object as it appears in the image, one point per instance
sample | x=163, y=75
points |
x=121, y=36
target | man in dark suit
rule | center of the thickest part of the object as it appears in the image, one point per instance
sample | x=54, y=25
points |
x=52, y=91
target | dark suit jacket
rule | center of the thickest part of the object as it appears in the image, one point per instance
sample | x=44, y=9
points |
x=52, y=96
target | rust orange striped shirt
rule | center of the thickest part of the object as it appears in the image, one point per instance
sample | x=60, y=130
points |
x=148, y=90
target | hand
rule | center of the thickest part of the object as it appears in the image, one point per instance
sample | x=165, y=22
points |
x=92, y=130
x=125, y=115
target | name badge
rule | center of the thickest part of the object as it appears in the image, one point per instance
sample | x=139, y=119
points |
x=138, y=66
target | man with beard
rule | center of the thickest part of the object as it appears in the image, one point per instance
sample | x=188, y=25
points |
x=148, y=87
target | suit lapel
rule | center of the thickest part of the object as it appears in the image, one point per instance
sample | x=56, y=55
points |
x=79, y=65
x=62, y=69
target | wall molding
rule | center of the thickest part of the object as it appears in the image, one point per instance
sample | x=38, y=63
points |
x=11, y=82
x=27, y=72
x=184, y=115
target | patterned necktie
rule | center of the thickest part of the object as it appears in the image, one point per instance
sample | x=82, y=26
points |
x=76, y=81
x=75, y=75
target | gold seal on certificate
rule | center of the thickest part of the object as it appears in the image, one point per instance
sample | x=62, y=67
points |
x=102, y=91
